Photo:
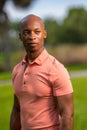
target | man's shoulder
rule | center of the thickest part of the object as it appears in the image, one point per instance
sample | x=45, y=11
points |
x=16, y=67
x=55, y=64
x=54, y=61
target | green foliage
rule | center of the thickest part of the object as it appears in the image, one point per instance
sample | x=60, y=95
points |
x=2, y=58
x=23, y=4
x=73, y=28
x=52, y=31
x=14, y=25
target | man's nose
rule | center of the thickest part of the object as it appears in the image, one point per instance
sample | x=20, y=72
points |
x=32, y=36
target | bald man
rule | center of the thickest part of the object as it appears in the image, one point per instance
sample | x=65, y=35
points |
x=43, y=93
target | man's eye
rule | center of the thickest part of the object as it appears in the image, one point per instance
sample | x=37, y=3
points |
x=37, y=32
x=25, y=32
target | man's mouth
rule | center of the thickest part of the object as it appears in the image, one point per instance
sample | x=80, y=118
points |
x=31, y=43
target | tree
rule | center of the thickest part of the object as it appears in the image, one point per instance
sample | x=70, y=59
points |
x=52, y=31
x=75, y=26
x=4, y=25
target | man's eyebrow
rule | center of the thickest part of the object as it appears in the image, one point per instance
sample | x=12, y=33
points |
x=37, y=29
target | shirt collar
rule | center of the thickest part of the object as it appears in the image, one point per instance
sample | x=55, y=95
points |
x=39, y=60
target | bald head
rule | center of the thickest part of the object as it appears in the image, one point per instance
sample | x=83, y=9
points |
x=31, y=18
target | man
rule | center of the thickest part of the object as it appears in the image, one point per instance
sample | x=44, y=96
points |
x=43, y=94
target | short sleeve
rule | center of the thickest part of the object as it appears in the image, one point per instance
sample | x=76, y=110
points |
x=60, y=79
x=14, y=72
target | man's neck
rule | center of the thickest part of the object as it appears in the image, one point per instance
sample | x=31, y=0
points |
x=34, y=54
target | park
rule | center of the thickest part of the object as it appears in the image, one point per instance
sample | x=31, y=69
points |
x=66, y=40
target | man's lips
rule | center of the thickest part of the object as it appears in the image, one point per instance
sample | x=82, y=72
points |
x=31, y=43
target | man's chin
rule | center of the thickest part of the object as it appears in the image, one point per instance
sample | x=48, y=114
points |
x=32, y=50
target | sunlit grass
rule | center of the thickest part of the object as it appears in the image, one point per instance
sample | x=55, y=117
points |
x=77, y=67
x=6, y=99
x=5, y=75
x=80, y=96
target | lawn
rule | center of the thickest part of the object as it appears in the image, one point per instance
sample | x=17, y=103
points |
x=80, y=101
x=5, y=75
x=80, y=95
x=6, y=101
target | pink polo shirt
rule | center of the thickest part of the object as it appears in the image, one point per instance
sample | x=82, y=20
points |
x=36, y=86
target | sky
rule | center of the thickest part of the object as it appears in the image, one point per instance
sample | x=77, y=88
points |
x=44, y=8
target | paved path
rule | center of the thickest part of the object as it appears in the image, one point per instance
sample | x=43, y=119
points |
x=73, y=74
x=5, y=82
x=77, y=74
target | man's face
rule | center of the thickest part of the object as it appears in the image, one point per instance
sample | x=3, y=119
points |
x=32, y=35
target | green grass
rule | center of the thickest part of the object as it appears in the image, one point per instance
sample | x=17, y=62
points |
x=77, y=67
x=6, y=99
x=80, y=101
x=80, y=105
x=5, y=75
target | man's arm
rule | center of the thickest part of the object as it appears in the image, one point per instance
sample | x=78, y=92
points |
x=66, y=109
x=15, y=116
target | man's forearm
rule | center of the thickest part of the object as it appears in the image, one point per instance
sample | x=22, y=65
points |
x=15, y=120
x=66, y=123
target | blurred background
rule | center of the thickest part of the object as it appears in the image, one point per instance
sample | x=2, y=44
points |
x=66, y=25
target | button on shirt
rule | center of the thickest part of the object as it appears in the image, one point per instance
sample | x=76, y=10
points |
x=36, y=84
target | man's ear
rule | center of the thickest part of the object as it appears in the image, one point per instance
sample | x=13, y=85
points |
x=20, y=36
x=45, y=34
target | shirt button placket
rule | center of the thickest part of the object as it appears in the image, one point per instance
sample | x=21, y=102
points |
x=24, y=79
x=25, y=74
